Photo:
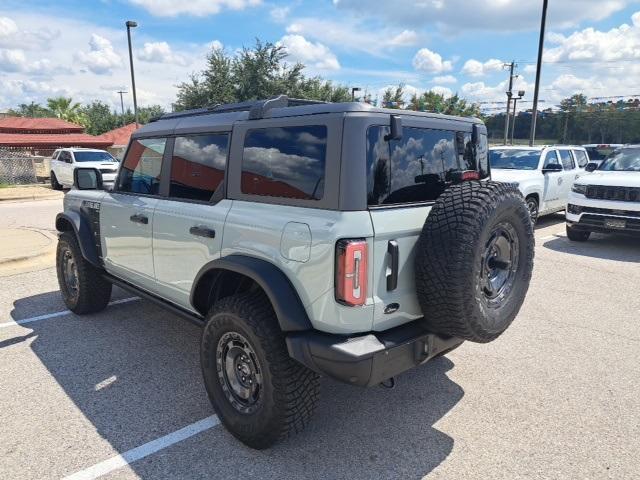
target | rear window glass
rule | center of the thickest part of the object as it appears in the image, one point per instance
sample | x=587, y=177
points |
x=287, y=162
x=197, y=166
x=581, y=158
x=413, y=169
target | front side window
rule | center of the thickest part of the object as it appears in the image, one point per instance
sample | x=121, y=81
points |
x=286, y=162
x=140, y=171
x=197, y=166
x=552, y=159
x=413, y=169
x=581, y=158
x=566, y=159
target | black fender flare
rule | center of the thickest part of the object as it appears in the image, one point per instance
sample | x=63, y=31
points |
x=83, y=229
x=286, y=303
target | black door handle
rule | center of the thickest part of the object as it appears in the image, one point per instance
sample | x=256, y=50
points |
x=138, y=218
x=392, y=276
x=201, y=231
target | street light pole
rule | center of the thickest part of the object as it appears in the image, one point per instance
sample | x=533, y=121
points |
x=536, y=91
x=353, y=93
x=131, y=24
x=515, y=114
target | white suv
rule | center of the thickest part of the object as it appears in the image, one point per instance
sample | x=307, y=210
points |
x=607, y=200
x=544, y=175
x=65, y=160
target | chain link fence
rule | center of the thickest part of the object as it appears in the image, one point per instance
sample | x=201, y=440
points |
x=20, y=168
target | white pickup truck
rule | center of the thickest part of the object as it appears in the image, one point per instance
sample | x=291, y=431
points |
x=65, y=160
x=544, y=175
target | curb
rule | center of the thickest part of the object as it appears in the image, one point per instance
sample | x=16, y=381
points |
x=31, y=197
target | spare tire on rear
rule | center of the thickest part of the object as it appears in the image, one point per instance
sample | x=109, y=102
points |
x=474, y=260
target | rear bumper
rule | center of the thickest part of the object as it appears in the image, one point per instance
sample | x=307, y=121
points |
x=368, y=359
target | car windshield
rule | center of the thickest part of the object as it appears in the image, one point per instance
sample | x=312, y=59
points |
x=625, y=160
x=93, y=157
x=599, y=153
x=513, y=159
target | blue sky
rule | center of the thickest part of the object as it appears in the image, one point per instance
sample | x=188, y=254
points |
x=78, y=48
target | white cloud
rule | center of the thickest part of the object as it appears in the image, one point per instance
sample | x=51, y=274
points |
x=7, y=27
x=620, y=43
x=479, y=91
x=314, y=55
x=441, y=90
x=431, y=62
x=474, y=68
x=445, y=79
x=101, y=57
x=196, y=8
x=160, y=52
x=12, y=60
x=454, y=16
x=351, y=35
x=279, y=14
x=404, y=39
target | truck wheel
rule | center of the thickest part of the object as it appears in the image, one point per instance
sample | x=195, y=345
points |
x=474, y=260
x=83, y=288
x=534, y=208
x=260, y=394
x=577, y=235
x=54, y=182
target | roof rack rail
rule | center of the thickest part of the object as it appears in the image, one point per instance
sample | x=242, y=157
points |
x=256, y=108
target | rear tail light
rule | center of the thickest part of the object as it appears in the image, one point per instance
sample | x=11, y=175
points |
x=351, y=272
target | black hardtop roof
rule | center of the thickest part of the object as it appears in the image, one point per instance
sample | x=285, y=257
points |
x=224, y=116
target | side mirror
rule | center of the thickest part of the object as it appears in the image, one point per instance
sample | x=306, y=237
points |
x=396, y=129
x=591, y=167
x=87, y=179
x=553, y=167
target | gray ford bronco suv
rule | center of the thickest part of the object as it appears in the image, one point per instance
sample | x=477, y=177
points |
x=307, y=239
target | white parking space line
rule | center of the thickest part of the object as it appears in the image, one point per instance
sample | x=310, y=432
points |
x=58, y=314
x=145, y=450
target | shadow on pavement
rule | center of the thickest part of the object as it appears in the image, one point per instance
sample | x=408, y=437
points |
x=549, y=220
x=607, y=247
x=133, y=371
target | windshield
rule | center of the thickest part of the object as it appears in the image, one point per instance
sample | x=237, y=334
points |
x=599, y=153
x=93, y=157
x=625, y=160
x=515, y=159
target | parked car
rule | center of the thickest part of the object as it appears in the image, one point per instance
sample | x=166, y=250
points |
x=65, y=160
x=543, y=174
x=608, y=200
x=598, y=152
x=306, y=238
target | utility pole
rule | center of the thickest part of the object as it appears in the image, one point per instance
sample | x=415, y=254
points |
x=511, y=66
x=121, y=92
x=515, y=114
x=131, y=24
x=536, y=91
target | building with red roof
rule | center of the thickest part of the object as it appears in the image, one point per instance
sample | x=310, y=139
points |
x=41, y=136
x=120, y=139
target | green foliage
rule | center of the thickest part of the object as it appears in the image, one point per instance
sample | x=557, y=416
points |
x=33, y=110
x=257, y=72
x=66, y=109
x=393, y=97
x=436, y=102
x=577, y=122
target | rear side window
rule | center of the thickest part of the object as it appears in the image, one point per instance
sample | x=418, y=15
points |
x=567, y=160
x=197, y=166
x=411, y=170
x=581, y=158
x=140, y=171
x=551, y=159
x=286, y=162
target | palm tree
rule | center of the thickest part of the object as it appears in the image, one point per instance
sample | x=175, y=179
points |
x=66, y=109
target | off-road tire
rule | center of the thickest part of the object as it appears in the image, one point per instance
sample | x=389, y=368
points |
x=288, y=391
x=451, y=254
x=54, y=182
x=93, y=292
x=534, y=208
x=577, y=235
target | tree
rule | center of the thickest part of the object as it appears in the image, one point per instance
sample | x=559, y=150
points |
x=66, y=109
x=393, y=97
x=32, y=110
x=101, y=118
x=431, y=101
x=257, y=72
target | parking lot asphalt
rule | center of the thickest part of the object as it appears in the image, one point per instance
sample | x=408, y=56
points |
x=557, y=396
